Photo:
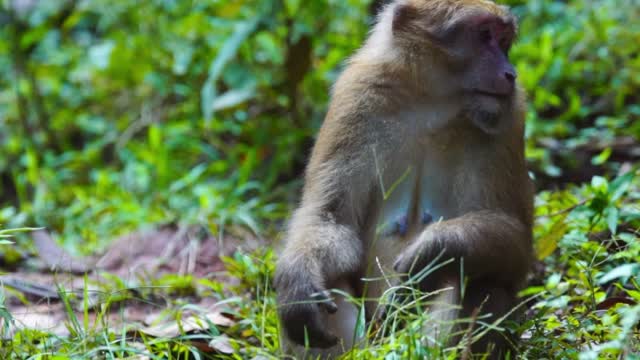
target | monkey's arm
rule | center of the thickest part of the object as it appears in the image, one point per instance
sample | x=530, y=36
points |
x=323, y=246
x=317, y=255
x=324, y=242
x=491, y=243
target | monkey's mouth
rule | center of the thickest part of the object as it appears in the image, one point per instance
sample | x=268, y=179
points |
x=498, y=95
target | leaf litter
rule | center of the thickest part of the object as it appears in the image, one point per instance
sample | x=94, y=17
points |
x=35, y=292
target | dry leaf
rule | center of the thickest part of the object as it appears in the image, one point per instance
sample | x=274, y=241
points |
x=55, y=257
x=221, y=344
x=41, y=317
x=191, y=324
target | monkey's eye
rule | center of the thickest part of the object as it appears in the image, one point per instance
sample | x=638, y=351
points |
x=505, y=46
x=485, y=35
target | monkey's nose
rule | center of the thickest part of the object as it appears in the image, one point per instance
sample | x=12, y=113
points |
x=510, y=76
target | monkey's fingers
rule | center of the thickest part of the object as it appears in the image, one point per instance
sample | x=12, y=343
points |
x=320, y=338
x=403, y=264
x=305, y=325
x=323, y=298
x=413, y=259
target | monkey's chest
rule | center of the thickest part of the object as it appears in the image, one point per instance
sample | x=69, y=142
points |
x=413, y=200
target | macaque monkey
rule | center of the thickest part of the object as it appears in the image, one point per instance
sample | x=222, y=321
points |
x=420, y=157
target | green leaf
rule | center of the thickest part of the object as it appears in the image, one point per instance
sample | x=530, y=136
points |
x=100, y=54
x=624, y=271
x=292, y=6
x=227, y=52
x=602, y=157
x=635, y=294
x=553, y=280
x=233, y=98
x=613, y=215
x=532, y=290
x=548, y=243
x=620, y=185
x=155, y=137
x=9, y=232
x=600, y=184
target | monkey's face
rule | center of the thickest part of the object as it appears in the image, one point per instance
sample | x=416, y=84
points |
x=487, y=80
x=466, y=57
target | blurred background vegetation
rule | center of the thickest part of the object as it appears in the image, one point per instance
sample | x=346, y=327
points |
x=121, y=114
x=117, y=114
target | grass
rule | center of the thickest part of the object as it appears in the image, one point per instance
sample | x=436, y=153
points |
x=106, y=127
x=582, y=301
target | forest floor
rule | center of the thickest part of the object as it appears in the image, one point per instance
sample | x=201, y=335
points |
x=156, y=272
x=178, y=292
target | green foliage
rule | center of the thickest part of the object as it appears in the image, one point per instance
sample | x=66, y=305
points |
x=257, y=310
x=5, y=317
x=575, y=59
x=139, y=113
x=119, y=114
x=9, y=233
x=588, y=305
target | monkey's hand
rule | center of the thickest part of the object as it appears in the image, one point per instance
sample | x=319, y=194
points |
x=428, y=250
x=304, y=309
x=489, y=243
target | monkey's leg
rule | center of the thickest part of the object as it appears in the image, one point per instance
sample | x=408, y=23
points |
x=452, y=320
x=342, y=324
x=493, y=245
x=482, y=299
x=492, y=249
x=443, y=312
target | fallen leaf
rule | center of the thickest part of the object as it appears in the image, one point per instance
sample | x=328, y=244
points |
x=40, y=317
x=190, y=324
x=55, y=257
x=221, y=344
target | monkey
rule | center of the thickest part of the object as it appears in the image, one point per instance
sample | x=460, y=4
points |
x=420, y=158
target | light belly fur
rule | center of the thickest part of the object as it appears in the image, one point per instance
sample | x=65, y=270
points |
x=424, y=177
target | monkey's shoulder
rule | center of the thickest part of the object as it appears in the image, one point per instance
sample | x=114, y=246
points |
x=365, y=91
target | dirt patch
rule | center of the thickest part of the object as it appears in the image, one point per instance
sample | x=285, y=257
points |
x=35, y=297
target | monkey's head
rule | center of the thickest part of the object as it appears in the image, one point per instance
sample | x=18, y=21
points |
x=459, y=50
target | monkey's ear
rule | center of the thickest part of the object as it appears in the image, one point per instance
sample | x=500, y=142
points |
x=403, y=14
x=407, y=19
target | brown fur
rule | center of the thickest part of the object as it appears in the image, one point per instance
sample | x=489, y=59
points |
x=396, y=110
